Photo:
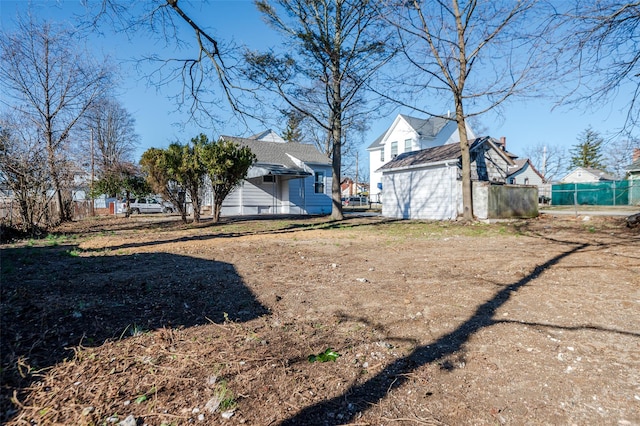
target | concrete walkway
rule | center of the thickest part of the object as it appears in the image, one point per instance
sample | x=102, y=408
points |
x=591, y=210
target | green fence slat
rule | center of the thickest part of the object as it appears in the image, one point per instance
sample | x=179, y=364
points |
x=610, y=193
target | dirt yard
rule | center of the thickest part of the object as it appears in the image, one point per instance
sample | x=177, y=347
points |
x=147, y=321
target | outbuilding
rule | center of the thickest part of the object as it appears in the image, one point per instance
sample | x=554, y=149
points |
x=427, y=184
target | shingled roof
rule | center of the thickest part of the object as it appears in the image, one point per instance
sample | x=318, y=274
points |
x=634, y=167
x=520, y=164
x=425, y=128
x=280, y=153
x=424, y=156
x=438, y=154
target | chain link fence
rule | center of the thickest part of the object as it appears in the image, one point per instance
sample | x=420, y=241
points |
x=610, y=193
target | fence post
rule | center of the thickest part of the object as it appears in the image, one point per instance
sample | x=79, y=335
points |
x=575, y=198
x=614, y=192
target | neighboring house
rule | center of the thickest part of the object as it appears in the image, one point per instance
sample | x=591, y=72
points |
x=288, y=178
x=633, y=174
x=586, y=175
x=633, y=169
x=524, y=173
x=348, y=188
x=408, y=134
x=426, y=184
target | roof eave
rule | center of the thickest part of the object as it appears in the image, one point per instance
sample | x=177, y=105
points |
x=420, y=166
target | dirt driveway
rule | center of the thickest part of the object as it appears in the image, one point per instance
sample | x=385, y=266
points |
x=148, y=321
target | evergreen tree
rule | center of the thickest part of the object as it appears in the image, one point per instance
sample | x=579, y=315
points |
x=588, y=151
x=227, y=165
x=293, y=132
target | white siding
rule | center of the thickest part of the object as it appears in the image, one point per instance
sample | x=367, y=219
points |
x=254, y=197
x=400, y=131
x=285, y=196
x=429, y=193
x=524, y=174
x=579, y=175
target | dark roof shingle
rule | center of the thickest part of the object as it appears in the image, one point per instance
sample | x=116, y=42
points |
x=279, y=153
x=424, y=156
x=425, y=128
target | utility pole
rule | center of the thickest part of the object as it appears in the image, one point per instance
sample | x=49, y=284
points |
x=92, y=209
x=357, y=173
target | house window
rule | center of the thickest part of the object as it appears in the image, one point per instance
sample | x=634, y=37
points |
x=394, y=149
x=407, y=145
x=512, y=181
x=526, y=181
x=319, y=183
x=268, y=179
x=382, y=154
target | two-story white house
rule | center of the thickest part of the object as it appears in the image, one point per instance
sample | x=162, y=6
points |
x=407, y=134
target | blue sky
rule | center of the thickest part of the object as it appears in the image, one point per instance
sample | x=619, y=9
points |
x=523, y=123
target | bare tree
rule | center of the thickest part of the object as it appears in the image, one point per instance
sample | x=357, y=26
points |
x=21, y=173
x=549, y=160
x=113, y=134
x=475, y=54
x=52, y=83
x=618, y=154
x=602, y=45
x=207, y=73
x=334, y=48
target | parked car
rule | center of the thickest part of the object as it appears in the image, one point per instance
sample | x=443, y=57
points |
x=150, y=205
x=355, y=201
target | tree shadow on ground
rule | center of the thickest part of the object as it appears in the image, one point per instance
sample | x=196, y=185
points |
x=289, y=227
x=362, y=396
x=54, y=299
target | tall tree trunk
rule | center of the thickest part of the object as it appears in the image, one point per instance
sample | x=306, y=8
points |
x=55, y=179
x=336, y=117
x=467, y=192
x=336, y=160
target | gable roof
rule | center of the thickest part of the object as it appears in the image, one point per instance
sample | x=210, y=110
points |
x=440, y=154
x=267, y=136
x=520, y=165
x=596, y=173
x=378, y=142
x=425, y=128
x=634, y=167
x=280, y=153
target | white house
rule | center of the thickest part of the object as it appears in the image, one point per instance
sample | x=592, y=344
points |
x=288, y=178
x=524, y=173
x=427, y=184
x=633, y=174
x=407, y=134
x=586, y=175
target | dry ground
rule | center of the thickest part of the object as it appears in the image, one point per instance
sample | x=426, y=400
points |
x=526, y=322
